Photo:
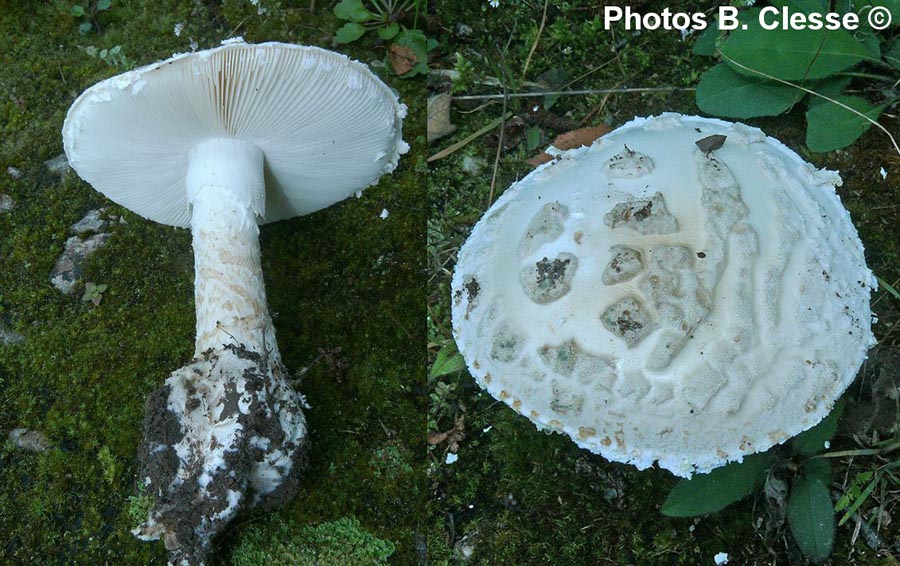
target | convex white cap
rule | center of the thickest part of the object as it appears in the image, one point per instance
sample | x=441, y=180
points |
x=659, y=301
x=326, y=125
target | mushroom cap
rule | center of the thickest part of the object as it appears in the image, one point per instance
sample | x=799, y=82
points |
x=328, y=127
x=658, y=302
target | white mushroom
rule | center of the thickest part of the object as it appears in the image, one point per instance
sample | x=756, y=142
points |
x=223, y=140
x=660, y=300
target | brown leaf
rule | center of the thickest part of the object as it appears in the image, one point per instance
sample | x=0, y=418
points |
x=571, y=140
x=435, y=438
x=710, y=143
x=403, y=59
x=453, y=436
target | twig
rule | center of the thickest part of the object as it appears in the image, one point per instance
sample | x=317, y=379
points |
x=888, y=287
x=488, y=81
x=597, y=109
x=575, y=92
x=464, y=142
x=497, y=154
x=537, y=39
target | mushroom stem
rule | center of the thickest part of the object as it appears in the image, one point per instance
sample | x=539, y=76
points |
x=226, y=432
x=226, y=188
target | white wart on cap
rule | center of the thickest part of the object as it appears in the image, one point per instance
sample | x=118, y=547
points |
x=326, y=125
x=660, y=302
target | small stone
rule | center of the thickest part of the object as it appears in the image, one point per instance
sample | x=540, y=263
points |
x=68, y=267
x=8, y=337
x=473, y=165
x=14, y=172
x=463, y=30
x=465, y=548
x=92, y=222
x=6, y=203
x=439, y=117
x=30, y=440
x=58, y=165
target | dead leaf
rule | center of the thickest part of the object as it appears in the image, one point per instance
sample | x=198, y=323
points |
x=403, y=59
x=571, y=140
x=453, y=436
x=439, y=117
x=435, y=438
x=710, y=143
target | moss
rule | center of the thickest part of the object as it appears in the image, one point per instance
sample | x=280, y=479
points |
x=340, y=281
x=516, y=495
x=338, y=543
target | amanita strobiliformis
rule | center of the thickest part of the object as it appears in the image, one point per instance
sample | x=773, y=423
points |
x=660, y=300
x=221, y=141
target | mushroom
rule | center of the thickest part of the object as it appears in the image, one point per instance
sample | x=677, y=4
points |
x=661, y=300
x=221, y=141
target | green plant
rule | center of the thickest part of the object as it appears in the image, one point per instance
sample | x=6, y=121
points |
x=114, y=57
x=109, y=466
x=139, y=506
x=807, y=504
x=408, y=55
x=385, y=18
x=389, y=462
x=89, y=13
x=93, y=293
x=768, y=72
x=343, y=542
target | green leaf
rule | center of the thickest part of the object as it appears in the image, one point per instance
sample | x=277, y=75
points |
x=85, y=28
x=854, y=490
x=389, y=31
x=353, y=11
x=862, y=8
x=349, y=32
x=831, y=127
x=892, y=54
x=818, y=469
x=813, y=441
x=78, y=11
x=705, y=44
x=724, y=92
x=793, y=55
x=415, y=39
x=811, y=518
x=533, y=138
x=857, y=503
x=831, y=87
x=803, y=6
x=708, y=493
x=871, y=42
x=103, y=5
x=448, y=361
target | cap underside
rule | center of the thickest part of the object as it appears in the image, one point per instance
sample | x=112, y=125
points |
x=328, y=127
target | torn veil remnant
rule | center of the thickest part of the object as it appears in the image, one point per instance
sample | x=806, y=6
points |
x=659, y=299
x=221, y=141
